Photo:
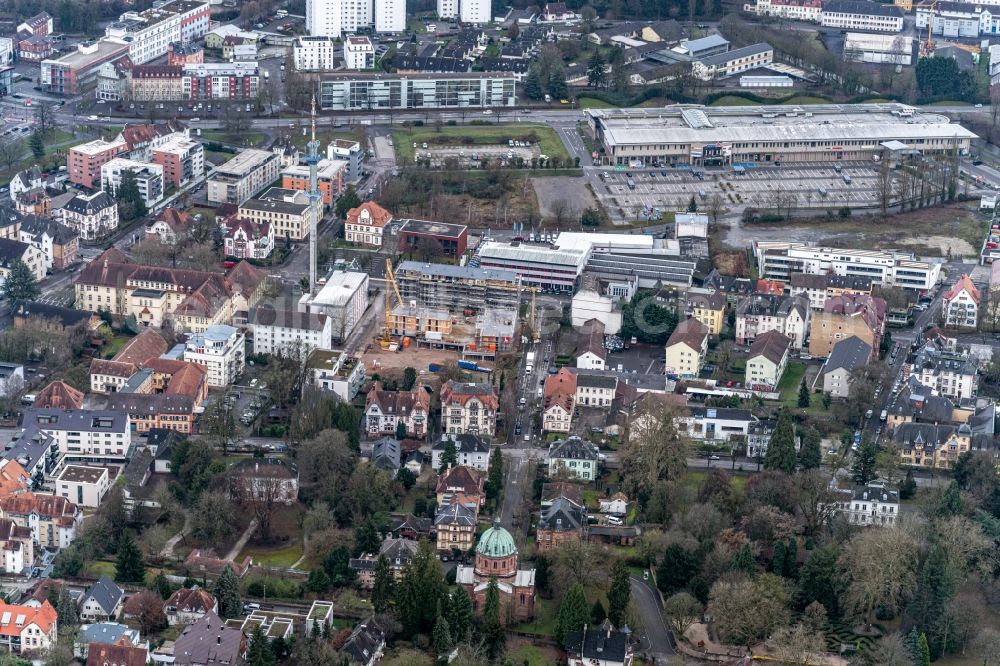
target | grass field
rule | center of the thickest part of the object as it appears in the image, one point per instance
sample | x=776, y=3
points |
x=733, y=100
x=284, y=556
x=241, y=139
x=948, y=102
x=694, y=478
x=476, y=135
x=807, y=99
x=544, y=623
x=98, y=568
x=593, y=103
x=788, y=387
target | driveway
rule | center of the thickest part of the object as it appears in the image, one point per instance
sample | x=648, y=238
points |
x=653, y=637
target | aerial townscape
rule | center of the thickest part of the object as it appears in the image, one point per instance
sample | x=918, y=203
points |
x=366, y=332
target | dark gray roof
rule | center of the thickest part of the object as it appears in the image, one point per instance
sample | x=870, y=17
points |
x=82, y=420
x=874, y=491
x=723, y=58
x=848, y=354
x=455, y=272
x=164, y=439
x=410, y=522
x=30, y=447
x=829, y=280
x=455, y=514
x=135, y=471
x=938, y=360
x=208, y=641
x=587, y=379
x=66, y=316
x=928, y=435
x=598, y=645
x=563, y=515
x=862, y=7
x=724, y=413
x=106, y=594
x=11, y=250
x=572, y=448
x=89, y=205
x=386, y=454
x=105, y=633
x=772, y=306
x=464, y=443
x=364, y=642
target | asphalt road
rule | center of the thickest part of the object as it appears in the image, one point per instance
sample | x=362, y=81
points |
x=653, y=636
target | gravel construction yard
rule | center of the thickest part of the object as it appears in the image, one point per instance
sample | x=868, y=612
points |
x=567, y=192
x=473, y=138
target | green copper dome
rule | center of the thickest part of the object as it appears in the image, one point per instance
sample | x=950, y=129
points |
x=496, y=542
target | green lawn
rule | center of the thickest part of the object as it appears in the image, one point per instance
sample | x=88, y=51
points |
x=788, y=387
x=733, y=100
x=98, y=568
x=948, y=102
x=593, y=103
x=806, y=99
x=544, y=624
x=532, y=655
x=476, y=135
x=693, y=478
x=241, y=139
x=274, y=557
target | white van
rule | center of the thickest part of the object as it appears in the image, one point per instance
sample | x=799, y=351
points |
x=28, y=399
x=615, y=520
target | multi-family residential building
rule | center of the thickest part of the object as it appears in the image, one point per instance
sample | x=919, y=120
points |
x=779, y=260
x=342, y=91
x=58, y=243
x=283, y=332
x=97, y=436
x=17, y=548
x=365, y=224
x=952, y=374
x=450, y=287
x=192, y=300
x=267, y=479
x=155, y=83
x=343, y=298
x=563, y=520
x=314, y=54
x=716, y=424
x=359, y=53
x=574, y=457
x=730, y=63
x=399, y=552
x=873, y=504
x=53, y=520
x=71, y=72
x=759, y=313
x=93, y=216
x=960, y=305
x=220, y=348
x=468, y=407
x=102, y=601
x=188, y=605
x=795, y=10
x=13, y=250
x=861, y=15
x=83, y=485
x=220, y=81
x=28, y=630
x=350, y=152
x=210, y=641
x=931, y=445
x=819, y=288
x=846, y=356
x=149, y=33
x=336, y=372
x=559, y=401
x=148, y=178
x=329, y=178
x=846, y=316
x=708, y=307
x=767, y=360
x=384, y=410
x=595, y=390
x=591, y=354
x=470, y=450
x=759, y=437
x=288, y=212
x=169, y=226
x=455, y=524
x=84, y=161
x=247, y=239
x=182, y=160
x=243, y=177
x=686, y=349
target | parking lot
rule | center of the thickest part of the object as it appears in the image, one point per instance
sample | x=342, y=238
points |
x=802, y=185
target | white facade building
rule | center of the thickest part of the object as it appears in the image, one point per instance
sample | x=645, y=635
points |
x=777, y=260
x=390, y=16
x=150, y=32
x=359, y=53
x=475, y=12
x=148, y=177
x=314, y=54
x=83, y=485
x=794, y=10
x=873, y=504
x=90, y=215
x=862, y=15
x=447, y=9
x=220, y=349
x=92, y=435
x=280, y=331
x=343, y=299
x=332, y=18
x=960, y=306
x=588, y=304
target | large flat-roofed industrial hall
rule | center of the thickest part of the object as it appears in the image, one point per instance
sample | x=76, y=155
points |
x=732, y=135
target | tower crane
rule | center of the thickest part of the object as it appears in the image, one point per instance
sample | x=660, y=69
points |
x=390, y=279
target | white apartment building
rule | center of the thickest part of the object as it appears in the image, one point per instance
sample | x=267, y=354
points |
x=468, y=408
x=470, y=451
x=220, y=350
x=359, y=53
x=324, y=18
x=873, y=504
x=343, y=299
x=281, y=331
x=862, y=15
x=390, y=16
x=475, y=12
x=314, y=54
x=777, y=260
x=336, y=372
x=83, y=485
x=951, y=374
x=83, y=435
x=795, y=10
x=447, y=9
x=288, y=212
x=244, y=176
x=150, y=32
x=960, y=306
x=90, y=215
x=595, y=390
x=148, y=176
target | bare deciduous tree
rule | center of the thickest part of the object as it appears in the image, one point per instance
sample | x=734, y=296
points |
x=881, y=567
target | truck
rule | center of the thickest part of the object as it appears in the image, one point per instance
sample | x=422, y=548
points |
x=529, y=362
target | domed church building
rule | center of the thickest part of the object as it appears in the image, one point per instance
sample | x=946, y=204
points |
x=496, y=557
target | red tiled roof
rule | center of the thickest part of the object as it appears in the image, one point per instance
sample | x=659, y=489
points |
x=101, y=366
x=401, y=403
x=461, y=479
x=192, y=600
x=119, y=654
x=560, y=389
x=147, y=345
x=963, y=283
x=462, y=392
x=49, y=506
x=377, y=216
x=690, y=332
x=43, y=616
x=59, y=394
x=245, y=278
x=13, y=478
